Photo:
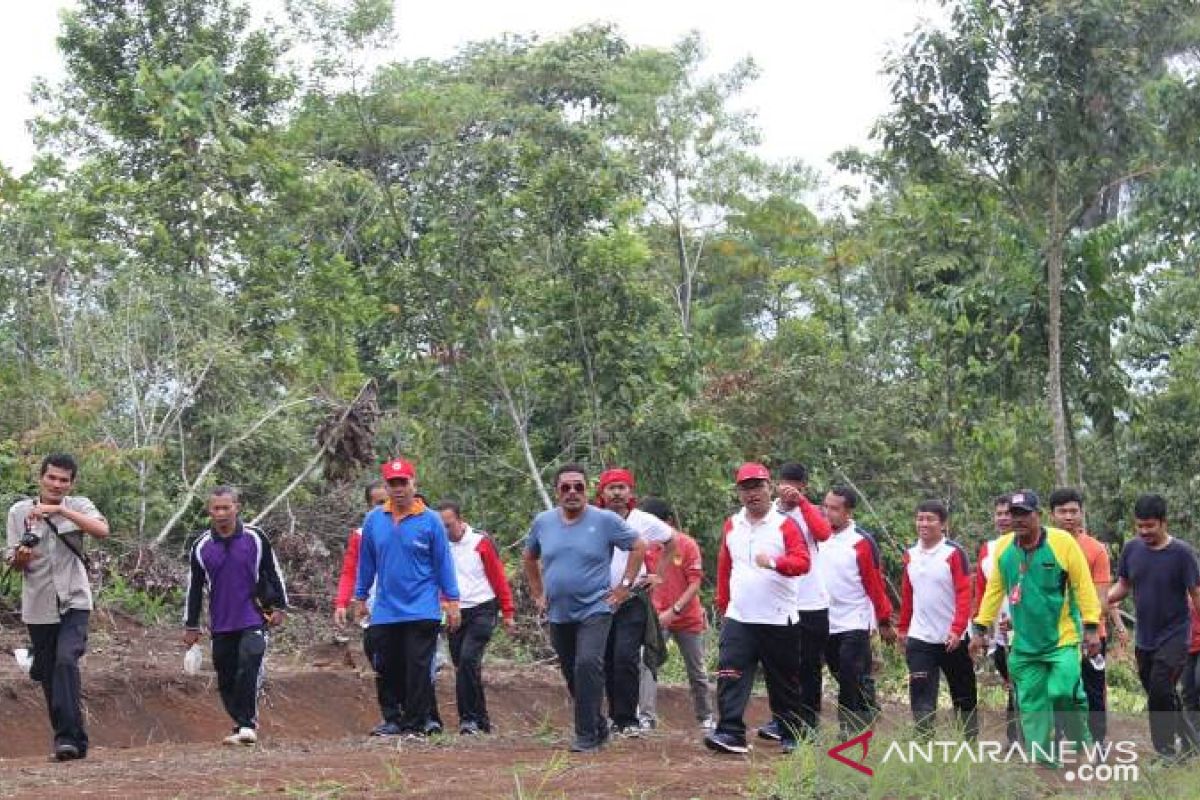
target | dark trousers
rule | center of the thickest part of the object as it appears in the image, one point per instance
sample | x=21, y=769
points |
x=580, y=647
x=466, y=651
x=237, y=658
x=389, y=706
x=926, y=662
x=814, y=635
x=1191, y=690
x=622, y=661
x=848, y=655
x=403, y=654
x=57, y=649
x=1159, y=671
x=743, y=647
x=1095, y=686
x=1012, y=721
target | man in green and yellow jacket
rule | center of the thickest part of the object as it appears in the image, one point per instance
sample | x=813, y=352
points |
x=1052, y=602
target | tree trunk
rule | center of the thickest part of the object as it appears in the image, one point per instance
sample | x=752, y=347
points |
x=1054, y=394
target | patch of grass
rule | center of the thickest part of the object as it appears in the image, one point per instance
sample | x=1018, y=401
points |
x=321, y=790
x=147, y=608
x=541, y=776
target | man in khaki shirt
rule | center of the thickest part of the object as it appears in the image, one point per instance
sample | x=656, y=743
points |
x=45, y=544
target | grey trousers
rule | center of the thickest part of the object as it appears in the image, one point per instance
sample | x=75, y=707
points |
x=691, y=646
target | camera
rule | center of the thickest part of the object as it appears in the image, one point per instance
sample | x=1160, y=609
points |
x=30, y=539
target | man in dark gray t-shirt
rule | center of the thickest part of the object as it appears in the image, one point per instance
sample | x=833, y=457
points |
x=1163, y=575
x=567, y=557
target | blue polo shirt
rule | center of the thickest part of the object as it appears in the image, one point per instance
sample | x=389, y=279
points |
x=575, y=558
x=407, y=560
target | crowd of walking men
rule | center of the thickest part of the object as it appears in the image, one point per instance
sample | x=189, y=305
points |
x=798, y=587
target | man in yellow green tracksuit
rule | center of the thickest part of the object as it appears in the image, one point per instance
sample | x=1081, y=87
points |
x=1044, y=574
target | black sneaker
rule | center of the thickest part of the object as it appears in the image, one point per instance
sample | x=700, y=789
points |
x=432, y=728
x=469, y=728
x=626, y=732
x=581, y=746
x=387, y=728
x=66, y=752
x=726, y=743
x=772, y=731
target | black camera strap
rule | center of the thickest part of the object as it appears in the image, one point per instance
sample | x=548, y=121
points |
x=87, y=564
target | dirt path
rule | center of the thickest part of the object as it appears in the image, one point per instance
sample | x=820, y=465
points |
x=155, y=733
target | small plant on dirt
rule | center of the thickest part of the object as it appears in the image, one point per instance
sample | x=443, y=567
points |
x=322, y=790
x=148, y=608
x=396, y=780
x=554, y=767
x=544, y=731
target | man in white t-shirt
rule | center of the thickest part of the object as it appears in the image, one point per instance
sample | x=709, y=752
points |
x=622, y=673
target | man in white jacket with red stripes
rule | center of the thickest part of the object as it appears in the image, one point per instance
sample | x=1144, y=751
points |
x=484, y=591
x=935, y=610
x=857, y=599
x=761, y=557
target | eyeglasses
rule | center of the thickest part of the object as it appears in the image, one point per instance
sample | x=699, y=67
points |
x=572, y=487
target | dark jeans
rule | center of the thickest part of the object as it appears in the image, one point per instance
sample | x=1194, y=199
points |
x=1095, y=685
x=237, y=658
x=848, y=655
x=57, y=649
x=622, y=660
x=1012, y=720
x=1191, y=690
x=814, y=635
x=926, y=662
x=466, y=651
x=403, y=653
x=743, y=647
x=1159, y=671
x=389, y=706
x=580, y=647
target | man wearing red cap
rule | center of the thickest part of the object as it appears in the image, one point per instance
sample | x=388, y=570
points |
x=622, y=656
x=405, y=556
x=761, y=557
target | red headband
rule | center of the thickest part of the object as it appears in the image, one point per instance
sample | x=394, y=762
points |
x=615, y=476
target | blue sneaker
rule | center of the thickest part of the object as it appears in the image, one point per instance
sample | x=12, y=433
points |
x=387, y=728
x=772, y=731
x=720, y=742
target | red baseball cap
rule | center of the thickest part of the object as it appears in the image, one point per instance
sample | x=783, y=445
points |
x=750, y=471
x=398, y=468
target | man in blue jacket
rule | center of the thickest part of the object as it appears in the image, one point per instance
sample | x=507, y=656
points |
x=246, y=595
x=405, y=556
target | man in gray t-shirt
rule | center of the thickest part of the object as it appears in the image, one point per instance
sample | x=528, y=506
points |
x=45, y=544
x=567, y=557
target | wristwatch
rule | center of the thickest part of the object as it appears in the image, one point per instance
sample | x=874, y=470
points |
x=676, y=608
x=626, y=583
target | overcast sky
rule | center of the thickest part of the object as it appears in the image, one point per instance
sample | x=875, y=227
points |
x=819, y=91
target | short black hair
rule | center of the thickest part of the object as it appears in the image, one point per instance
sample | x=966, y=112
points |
x=1150, y=506
x=658, y=507
x=371, y=487
x=1067, y=494
x=565, y=468
x=847, y=494
x=64, y=461
x=451, y=505
x=793, y=471
x=1002, y=500
x=933, y=507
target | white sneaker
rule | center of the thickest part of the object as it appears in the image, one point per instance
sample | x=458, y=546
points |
x=708, y=724
x=245, y=736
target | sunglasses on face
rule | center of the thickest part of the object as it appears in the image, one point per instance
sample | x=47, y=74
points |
x=572, y=487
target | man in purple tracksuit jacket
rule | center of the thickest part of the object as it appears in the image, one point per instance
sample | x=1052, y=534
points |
x=246, y=595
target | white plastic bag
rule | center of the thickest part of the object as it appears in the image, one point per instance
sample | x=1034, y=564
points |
x=193, y=659
x=24, y=660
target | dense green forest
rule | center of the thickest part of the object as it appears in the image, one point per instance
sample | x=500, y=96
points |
x=244, y=256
